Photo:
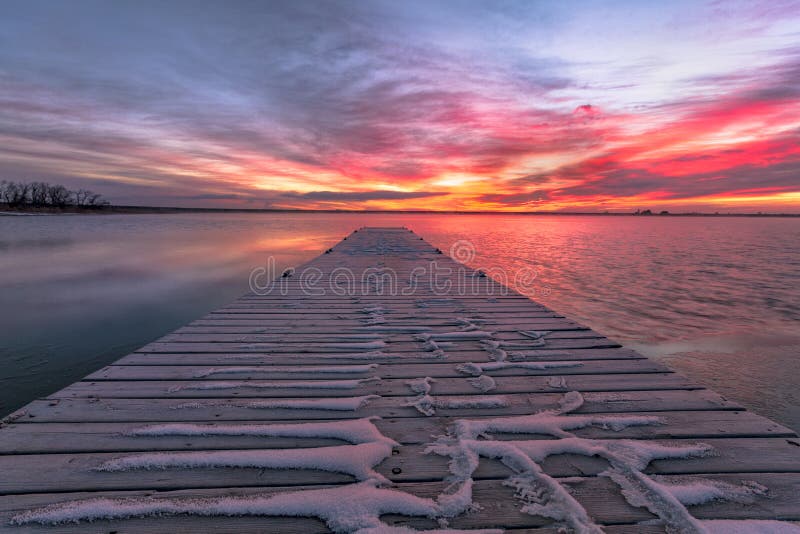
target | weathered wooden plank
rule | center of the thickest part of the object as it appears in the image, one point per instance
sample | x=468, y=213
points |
x=391, y=303
x=355, y=324
x=290, y=337
x=389, y=312
x=779, y=454
x=388, y=387
x=460, y=356
x=673, y=424
x=393, y=333
x=231, y=409
x=435, y=370
x=592, y=343
x=496, y=506
x=82, y=472
x=420, y=292
x=417, y=316
x=279, y=299
x=341, y=329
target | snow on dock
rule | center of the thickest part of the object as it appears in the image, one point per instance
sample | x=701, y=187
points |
x=385, y=388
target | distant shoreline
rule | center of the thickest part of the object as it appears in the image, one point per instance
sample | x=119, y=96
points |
x=109, y=210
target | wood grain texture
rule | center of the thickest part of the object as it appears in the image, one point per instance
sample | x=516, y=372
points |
x=289, y=342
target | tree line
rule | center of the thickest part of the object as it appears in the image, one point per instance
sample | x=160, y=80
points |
x=43, y=194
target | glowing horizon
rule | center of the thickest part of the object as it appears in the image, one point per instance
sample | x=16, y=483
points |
x=407, y=106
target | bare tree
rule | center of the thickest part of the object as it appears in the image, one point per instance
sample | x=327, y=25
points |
x=38, y=195
x=16, y=194
x=94, y=200
x=6, y=188
x=86, y=198
x=58, y=196
x=81, y=197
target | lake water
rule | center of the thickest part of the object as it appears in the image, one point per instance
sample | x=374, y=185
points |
x=717, y=299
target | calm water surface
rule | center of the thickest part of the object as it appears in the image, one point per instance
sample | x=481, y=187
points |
x=718, y=299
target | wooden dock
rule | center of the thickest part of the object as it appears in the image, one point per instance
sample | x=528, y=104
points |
x=384, y=384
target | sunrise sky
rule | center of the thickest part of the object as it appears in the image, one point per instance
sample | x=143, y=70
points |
x=568, y=106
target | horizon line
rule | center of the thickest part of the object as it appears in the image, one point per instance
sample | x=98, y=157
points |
x=663, y=213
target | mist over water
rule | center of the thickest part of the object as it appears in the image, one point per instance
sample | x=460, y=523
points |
x=717, y=299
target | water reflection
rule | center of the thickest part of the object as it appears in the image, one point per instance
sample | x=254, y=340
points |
x=706, y=294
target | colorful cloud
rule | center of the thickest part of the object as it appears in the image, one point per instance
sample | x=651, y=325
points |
x=412, y=105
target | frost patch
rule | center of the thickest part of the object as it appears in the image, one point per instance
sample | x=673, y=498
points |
x=396, y=329
x=423, y=402
x=495, y=352
x=369, y=355
x=351, y=430
x=426, y=404
x=354, y=508
x=329, y=347
x=344, y=404
x=459, y=335
x=500, y=361
x=307, y=384
x=472, y=402
x=557, y=382
x=375, y=315
x=523, y=345
x=534, y=334
x=549, y=422
x=494, y=345
x=477, y=369
x=468, y=324
x=539, y=493
x=329, y=369
x=696, y=492
x=432, y=346
x=337, y=338
x=749, y=526
x=355, y=460
x=426, y=303
x=483, y=383
x=571, y=401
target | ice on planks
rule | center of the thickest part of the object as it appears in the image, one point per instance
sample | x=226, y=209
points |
x=355, y=460
x=350, y=509
x=287, y=384
x=542, y=495
x=344, y=404
x=350, y=430
x=294, y=369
